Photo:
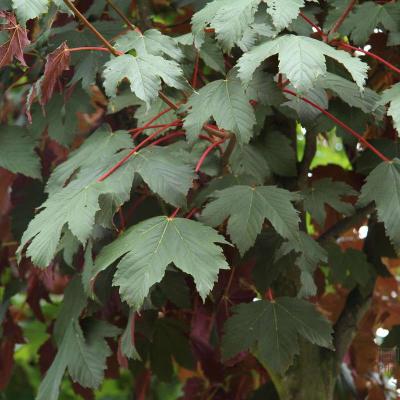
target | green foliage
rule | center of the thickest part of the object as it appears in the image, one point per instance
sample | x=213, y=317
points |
x=149, y=247
x=17, y=152
x=282, y=321
x=326, y=191
x=226, y=101
x=301, y=59
x=167, y=194
x=248, y=207
x=382, y=188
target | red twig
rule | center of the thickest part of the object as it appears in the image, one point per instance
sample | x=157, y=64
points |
x=207, y=152
x=170, y=136
x=175, y=213
x=368, y=53
x=270, y=295
x=191, y=213
x=145, y=127
x=316, y=27
x=341, y=19
x=148, y=124
x=92, y=48
x=196, y=70
x=130, y=154
x=341, y=124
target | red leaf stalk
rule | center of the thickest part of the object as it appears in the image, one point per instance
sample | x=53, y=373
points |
x=207, y=152
x=120, y=163
x=341, y=124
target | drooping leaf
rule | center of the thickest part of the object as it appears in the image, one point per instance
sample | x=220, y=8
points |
x=271, y=330
x=368, y=16
x=225, y=101
x=383, y=188
x=279, y=154
x=149, y=247
x=144, y=73
x=301, y=59
x=16, y=43
x=392, y=96
x=309, y=255
x=349, y=267
x=17, y=151
x=284, y=11
x=367, y=101
x=87, y=363
x=325, y=191
x=28, y=9
x=248, y=207
x=57, y=62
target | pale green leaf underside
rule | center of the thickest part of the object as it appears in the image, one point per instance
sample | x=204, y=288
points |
x=149, y=247
x=144, y=73
x=301, y=59
x=225, y=101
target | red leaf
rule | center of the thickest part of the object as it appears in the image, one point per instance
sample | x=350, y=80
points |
x=16, y=43
x=57, y=62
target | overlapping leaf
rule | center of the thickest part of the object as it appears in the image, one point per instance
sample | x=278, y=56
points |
x=149, y=247
x=271, y=330
x=383, y=188
x=326, y=191
x=301, y=59
x=76, y=204
x=248, y=207
x=229, y=19
x=17, y=151
x=144, y=73
x=392, y=96
x=225, y=101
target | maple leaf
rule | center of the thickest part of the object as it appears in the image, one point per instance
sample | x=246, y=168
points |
x=57, y=62
x=16, y=43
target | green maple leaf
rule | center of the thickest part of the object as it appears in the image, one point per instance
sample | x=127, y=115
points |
x=367, y=16
x=144, y=73
x=225, y=101
x=17, y=151
x=301, y=59
x=28, y=9
x=283, y=12
x=326, y=191
x=229, y=19
x=392, y=96
x=83, y=356
x=310, y=255
x=150, y=42
x=247, y=209
x=149, y=247
x=349, y=267
x=75, y=206
x=367, y=101
x=383, y=188
x=271, y=330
